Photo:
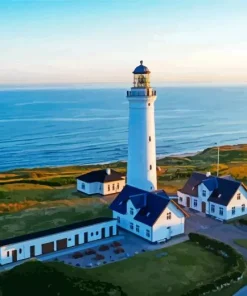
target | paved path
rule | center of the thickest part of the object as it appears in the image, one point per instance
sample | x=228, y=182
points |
x=210, y=227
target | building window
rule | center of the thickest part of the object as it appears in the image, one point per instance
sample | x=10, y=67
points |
x=109, y=188
x=212, y=208
x=180, y=199
x=149, y=138
x=243, y=208
x=91, y=233
x=147, y=233
x=233, y=210
x=195, y=203
x=8, y=254
x=221, y=211
x=69, y=239
x=113, y=186
x=20, y=251
x=82, y=186
x=118, y=219
x=169, y=216
x=137, y=228
x=97, y=232
x=99, y=187
x=150, y=167
x=238, y=196
x=204, y=193
x=131, y=211
x=131, y=226
x=117, y=185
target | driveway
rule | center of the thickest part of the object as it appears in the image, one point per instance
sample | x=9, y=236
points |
x=227, y=233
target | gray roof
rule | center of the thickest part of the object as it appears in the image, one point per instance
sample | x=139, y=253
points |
x=101, y=176
x=151, y=204
x=141, y=69
x=222, y=188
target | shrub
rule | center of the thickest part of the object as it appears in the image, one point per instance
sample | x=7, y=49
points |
x=119, y=250
x=243, y=221
x=104, y=248
x=99, y=257
x=90, y=252
x=77, y=255
x=116, y=244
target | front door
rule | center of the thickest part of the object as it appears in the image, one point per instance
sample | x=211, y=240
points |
x=103, y=233
x=14, y=255
x=111, y=230
x=61, y=244
x=203, y=207
x=76, y=239
x=32, y=251
x=85, y=237
x=188, y=201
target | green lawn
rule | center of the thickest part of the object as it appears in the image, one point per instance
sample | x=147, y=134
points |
x=185, y=266
x=241, y=242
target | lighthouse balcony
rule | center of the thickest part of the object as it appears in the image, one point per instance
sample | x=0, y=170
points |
x=141, y=93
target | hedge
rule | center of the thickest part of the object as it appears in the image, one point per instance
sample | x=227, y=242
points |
x=235, y=263
x=50, y=182
x=243, y=221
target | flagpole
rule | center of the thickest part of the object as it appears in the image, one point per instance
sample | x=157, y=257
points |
x=218, y=163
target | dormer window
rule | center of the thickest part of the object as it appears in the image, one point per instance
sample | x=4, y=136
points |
x=120, y=203
x=131, y=211
x=148, y=214
x=219, y=196
x=238, y=196
x=193, y=188
x=204, y=193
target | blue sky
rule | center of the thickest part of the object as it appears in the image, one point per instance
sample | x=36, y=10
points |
x=101, y=41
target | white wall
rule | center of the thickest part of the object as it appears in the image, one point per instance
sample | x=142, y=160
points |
x=176, y=223
x=141, y=151
x=217, y=209
x=101, y=188
x=70, y=235
x=237, y=204
x=113, y=189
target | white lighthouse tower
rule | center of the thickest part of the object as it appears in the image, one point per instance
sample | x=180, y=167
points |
x=141, y=168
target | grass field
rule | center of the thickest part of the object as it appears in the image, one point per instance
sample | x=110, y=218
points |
x=241, y=242
x=58, y=213
x=185, y=266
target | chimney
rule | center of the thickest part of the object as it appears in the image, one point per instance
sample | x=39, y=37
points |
x=208, y=174
x=108, y=171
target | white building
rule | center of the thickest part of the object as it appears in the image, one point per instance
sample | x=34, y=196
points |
x=141, y=170
x=150, y=215
x=223, y=198
x=55, y=239
x=101, y=182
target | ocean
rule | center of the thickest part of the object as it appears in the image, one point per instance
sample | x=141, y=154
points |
x=59, y=127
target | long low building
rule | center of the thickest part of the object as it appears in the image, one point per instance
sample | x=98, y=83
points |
x=55, y=239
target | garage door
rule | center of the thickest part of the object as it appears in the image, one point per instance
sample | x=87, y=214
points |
x=61, y=244
x=48, y=248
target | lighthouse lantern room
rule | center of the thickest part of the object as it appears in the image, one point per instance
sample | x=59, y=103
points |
x=141, y=167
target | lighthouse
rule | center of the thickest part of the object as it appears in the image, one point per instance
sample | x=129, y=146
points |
x=141, y=167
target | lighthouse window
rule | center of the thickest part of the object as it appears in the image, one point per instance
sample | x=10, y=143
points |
x=148, y=104
x=149, y=138
x=150, y=166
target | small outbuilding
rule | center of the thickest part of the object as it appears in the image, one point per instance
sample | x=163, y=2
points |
x=56, y=239
x=102, y=182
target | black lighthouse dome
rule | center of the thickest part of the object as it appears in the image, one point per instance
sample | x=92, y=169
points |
x=141, y=69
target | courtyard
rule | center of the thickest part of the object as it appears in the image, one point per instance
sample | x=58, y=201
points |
x=166, y=271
